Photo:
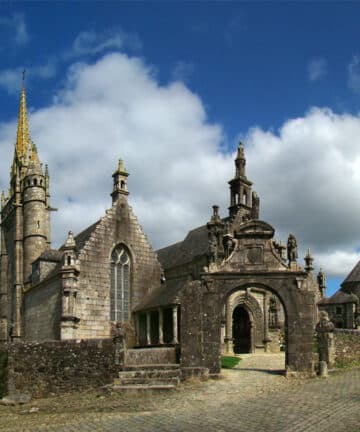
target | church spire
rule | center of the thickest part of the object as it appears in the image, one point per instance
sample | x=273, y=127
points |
x=23, y=140
x=25, y=150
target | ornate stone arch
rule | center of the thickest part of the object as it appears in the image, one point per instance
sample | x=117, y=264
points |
x=255, y=313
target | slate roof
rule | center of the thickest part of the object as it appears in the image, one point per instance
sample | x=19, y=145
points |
x=354, y=275
x=166, y=295
x=84, y=236
x=195, y=244
x=52, y=255
x=340, y=298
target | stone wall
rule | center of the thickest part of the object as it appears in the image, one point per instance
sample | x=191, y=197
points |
x=347, y=347
x=61, y=366
x=118, y=226
x=42, y=311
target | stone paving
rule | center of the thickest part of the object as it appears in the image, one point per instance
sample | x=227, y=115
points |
x=253, y=397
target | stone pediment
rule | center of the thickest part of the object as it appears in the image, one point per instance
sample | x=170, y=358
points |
x=254, y=229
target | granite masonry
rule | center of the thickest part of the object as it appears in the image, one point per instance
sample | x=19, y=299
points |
x=228, y=287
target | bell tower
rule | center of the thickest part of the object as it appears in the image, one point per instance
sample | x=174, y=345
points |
x=25, y=225
x=240, y=186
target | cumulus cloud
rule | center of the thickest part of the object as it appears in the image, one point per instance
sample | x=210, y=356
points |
x=182, y=71
x=15, y=27
x=10, y=79
x=115, y=108
x=307, y=174
x=317, y=69
x=354, y=74
x=91, y=42
x=308, y=177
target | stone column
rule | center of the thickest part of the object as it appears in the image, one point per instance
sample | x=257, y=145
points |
x=325, y=338
x=161, y=335
x=148, y=328
x=267, y=338
x=137, y=329
x=175, y=324
x=228, y=328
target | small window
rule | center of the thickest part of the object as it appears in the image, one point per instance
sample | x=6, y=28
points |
x=35, y=182
x=338, y=310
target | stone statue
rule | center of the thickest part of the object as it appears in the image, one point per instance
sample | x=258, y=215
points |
x=324, y=325
x=229, y=245
x=255, y=209
x=292, y=248
x=213, y=248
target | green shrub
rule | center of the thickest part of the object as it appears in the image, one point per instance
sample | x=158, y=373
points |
x=228, y=362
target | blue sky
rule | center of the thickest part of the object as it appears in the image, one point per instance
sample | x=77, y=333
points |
x=285, y=77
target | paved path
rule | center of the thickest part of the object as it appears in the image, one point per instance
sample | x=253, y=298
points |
x=253, y=397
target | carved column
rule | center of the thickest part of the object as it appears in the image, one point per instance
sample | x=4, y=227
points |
x=161, y=335
x=228, y=328
x=148, y=328
x=137, y=329
x=267, y=339
x=325, y=338
x=175, y=325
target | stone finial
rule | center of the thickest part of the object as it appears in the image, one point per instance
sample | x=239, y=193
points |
x=70, y=241
x=292, y=249
x=255, y=209
x=3, y=199
x=321, y=280
x=121, y=167
x=119, y=181
x=215, y=216
x=309, y=261
x=324, y=325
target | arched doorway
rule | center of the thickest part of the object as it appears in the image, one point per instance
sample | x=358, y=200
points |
x=241, y=330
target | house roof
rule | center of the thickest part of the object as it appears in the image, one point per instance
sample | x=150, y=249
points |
x=194, y=244
x=340, y=298
x=52, y=255
x=354, y=275
x=166, y=295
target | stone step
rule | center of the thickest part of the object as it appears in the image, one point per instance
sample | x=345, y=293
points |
x=150, y=373
x=131, y=367
x=148, y=381
x=144, y=387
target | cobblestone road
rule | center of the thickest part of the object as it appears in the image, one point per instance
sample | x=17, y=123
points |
x=253, y=397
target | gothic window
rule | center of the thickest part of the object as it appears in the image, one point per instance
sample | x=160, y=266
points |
x=120, y=285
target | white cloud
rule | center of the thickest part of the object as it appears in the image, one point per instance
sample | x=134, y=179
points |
x=354, y=74
x=10, y=79
x=308, y=178
x=317, y=69
x=307, y=174
x=338, y=262
x=91, y=42
x=182, y=71
x=115, y=108
x=16, y=27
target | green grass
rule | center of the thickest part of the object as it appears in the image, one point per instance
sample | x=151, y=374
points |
x=347, y=365
x=3, y=364
x=228, y=362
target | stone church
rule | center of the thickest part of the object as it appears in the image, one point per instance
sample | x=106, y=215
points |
x=229, y=286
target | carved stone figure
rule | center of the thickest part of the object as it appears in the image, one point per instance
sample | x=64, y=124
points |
x=292, y=248
x=213, y=247
x=229, y=245
x=255, y=209
x=324, y=325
